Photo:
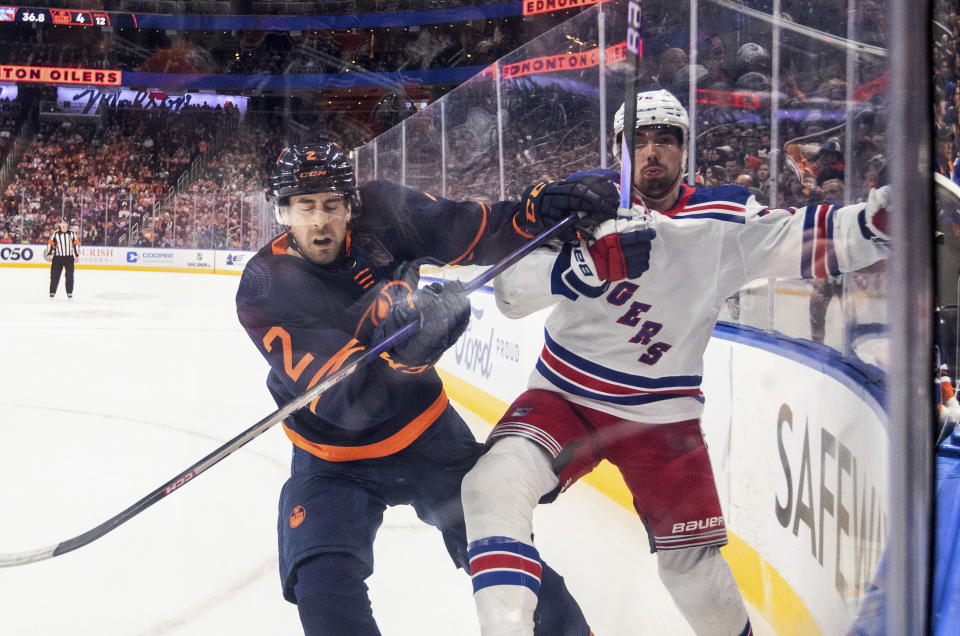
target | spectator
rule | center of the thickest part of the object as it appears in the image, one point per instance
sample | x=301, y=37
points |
x=833, y=190
x=829, y=157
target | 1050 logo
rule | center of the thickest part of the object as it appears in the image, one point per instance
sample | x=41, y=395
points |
x=14, y=254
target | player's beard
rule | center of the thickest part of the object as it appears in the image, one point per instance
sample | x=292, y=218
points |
x=657, y=187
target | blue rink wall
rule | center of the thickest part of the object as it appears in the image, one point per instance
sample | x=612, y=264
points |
x=946, y=572
x=804, y=490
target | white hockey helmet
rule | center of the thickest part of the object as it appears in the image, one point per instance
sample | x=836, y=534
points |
x=654, y=108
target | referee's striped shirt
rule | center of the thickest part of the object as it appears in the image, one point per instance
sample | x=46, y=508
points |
x=64, y=244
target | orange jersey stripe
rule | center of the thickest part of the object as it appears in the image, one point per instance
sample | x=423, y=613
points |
x=393, y=444
x=476, y=239
x=279, y=246
x=331, y=366
x=519, y=231
x=378, y=309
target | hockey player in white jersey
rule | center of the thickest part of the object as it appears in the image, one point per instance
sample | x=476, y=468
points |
x=620, y=371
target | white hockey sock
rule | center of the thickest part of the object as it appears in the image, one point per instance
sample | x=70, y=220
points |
x=703, y=588
x=499, y=495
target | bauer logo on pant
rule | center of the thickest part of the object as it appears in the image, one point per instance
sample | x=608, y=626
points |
x=297, y=516
x=700, y=524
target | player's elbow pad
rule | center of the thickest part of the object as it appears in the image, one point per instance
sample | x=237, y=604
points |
x=509, y=309
x=513, y=297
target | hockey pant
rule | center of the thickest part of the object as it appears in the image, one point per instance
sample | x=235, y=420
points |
x=330, y=513
x=499, y=495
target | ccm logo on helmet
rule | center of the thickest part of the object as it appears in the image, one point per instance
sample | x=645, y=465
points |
x=312, y=173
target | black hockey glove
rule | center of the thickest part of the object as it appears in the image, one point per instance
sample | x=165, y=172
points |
x=442, y=311
x=545, y=204
x=386, y=294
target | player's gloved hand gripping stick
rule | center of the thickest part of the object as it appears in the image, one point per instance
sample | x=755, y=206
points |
x=30, y=556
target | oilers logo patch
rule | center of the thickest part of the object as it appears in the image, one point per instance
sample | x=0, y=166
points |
x=297, y=516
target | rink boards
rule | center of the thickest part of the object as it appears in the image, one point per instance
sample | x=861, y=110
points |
x=143, y=259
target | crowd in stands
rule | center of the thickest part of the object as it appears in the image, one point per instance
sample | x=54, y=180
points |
x=551, y=130
x=552, y=127
x=11, y=118
x=223, y=207
x=105, y=176
x=733, y=145
x=946, y=96
x=268, y=52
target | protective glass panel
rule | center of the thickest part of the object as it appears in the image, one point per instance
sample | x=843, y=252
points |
x=390, y=155
x=425, y=150
x=788, y=101
x=363, y=161
x=789, y=108
x=473, y=158
x=551, y=105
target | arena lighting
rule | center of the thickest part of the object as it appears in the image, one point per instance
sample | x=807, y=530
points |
x=533, y=7
x=562, y=62
x=60, y=75
x=728, y=99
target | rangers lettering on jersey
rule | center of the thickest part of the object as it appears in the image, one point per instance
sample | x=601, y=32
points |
x=636, y=351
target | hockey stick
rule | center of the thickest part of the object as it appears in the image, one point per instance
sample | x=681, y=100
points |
x=22, y=558
x=634, y=22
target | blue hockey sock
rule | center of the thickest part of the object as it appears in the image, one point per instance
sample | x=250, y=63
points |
x=504, y=561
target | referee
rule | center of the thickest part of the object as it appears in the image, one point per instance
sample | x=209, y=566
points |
x=64, y=247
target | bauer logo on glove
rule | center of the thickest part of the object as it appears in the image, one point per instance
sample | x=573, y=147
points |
x=574, y=273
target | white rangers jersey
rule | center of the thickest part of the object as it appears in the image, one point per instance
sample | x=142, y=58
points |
x=636, y=350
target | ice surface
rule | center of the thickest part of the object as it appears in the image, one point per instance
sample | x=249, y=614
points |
x=106, y=397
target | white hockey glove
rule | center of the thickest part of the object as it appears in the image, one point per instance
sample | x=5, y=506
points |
x=574, y=273
x=621, y=247
x=873, y=216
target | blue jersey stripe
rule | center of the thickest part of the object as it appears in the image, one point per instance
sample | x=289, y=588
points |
x=502, y=544
x=637, y=381
x=626, y=400
x=833, y=266
x=719, y=216
x=506, y=577
x=806, y=253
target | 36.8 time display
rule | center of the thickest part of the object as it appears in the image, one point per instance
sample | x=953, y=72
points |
x=66, y=17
